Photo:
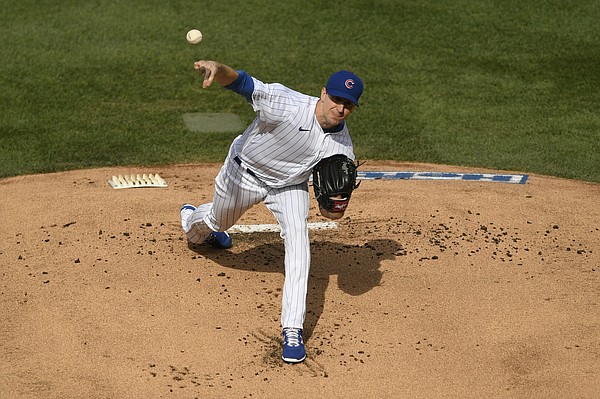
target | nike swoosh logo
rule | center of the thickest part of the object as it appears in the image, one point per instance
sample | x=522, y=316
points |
x=304, y=130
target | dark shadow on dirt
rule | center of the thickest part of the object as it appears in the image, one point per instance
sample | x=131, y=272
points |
x=356, y=266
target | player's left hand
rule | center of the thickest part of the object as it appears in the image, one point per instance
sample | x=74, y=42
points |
x=331, y=215
x=334, y=179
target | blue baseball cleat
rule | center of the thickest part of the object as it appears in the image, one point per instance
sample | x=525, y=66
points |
x=219, y=239
x=293, y=345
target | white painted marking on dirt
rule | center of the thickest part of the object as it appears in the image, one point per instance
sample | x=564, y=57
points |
x=268, y=228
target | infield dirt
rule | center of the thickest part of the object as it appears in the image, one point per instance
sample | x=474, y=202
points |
x=428, y=289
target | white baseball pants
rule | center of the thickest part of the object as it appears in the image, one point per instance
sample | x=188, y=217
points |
x=236, y=191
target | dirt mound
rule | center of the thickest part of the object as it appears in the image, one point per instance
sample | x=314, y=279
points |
x=426, y=289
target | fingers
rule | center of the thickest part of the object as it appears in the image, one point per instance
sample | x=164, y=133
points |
x=208, y=69
x=209, y=76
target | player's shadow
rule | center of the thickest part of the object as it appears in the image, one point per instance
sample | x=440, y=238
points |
x=356, y=266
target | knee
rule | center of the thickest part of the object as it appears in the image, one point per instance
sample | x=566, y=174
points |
x=295, y=231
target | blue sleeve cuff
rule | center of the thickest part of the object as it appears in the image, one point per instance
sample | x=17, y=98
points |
x=243, y=85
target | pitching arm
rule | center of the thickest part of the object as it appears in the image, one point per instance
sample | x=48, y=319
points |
x=212, y=70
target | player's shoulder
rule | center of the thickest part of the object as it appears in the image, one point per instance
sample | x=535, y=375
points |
x=277, y=92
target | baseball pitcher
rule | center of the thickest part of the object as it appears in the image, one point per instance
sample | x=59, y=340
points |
x=293, y=136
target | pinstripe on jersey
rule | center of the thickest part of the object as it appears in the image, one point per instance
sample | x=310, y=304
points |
x=280, y=148
x=285, y=141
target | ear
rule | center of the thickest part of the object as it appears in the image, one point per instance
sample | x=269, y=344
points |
x=323, y=94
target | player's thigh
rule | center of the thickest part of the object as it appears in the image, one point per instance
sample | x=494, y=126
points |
x=290, y=206
x=236, y=191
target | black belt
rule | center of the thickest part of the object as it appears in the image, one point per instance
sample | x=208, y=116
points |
x=239, y=162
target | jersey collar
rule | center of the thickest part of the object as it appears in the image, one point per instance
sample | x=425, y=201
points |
x=336, y=129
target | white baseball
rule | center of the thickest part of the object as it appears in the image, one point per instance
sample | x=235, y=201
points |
x=194, y=36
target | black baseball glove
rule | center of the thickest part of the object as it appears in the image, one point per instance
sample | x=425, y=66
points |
x=334, y=179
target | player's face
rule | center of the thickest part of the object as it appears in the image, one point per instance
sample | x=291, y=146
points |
x=334, y=110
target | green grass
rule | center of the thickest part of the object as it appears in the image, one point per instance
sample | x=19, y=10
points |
x=511, y=85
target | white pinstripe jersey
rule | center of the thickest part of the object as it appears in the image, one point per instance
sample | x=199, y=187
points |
x=285, y=141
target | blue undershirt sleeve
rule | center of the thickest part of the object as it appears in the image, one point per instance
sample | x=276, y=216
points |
x=243, y=85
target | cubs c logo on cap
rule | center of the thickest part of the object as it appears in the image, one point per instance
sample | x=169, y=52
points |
x=345, y=84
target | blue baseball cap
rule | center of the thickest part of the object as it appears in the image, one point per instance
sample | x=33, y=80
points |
x=345, y=84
